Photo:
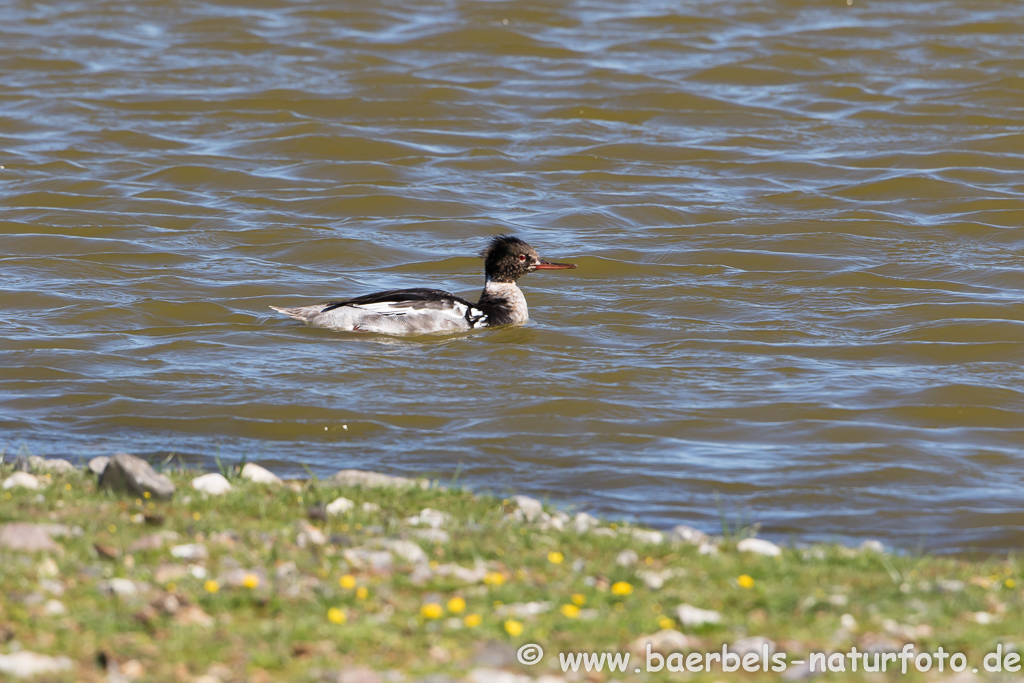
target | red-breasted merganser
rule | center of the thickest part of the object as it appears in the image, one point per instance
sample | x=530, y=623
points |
x=430, y=311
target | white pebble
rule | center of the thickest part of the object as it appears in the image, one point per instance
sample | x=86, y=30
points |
x=213, y=484
x=695, y=616
x=759, y=546
x=259, y=475
x=22, y=480
x=339, y=506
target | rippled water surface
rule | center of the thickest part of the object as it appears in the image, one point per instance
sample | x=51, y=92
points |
x=797, y=224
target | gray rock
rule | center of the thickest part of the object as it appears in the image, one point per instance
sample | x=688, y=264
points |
x=98, y=464
x=122, y=587
x=53, y=465
x=372, y=479
x=583, y=522
x=129, y=474
x=527, y=509
x=26, y=537
x=26, y=664
x=259, y=475
x=190, y=551
x=408, y=551
x=432, y=535
x=364, y=558
x=496, y=655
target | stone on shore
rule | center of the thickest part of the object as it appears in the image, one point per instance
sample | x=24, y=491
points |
x=429, y=517
x=339, y=506
x=38, y=463
x=527, y=509
x=27, y=664
x=26, y=537
x=192, y=552
x=372, y=479
x=758, y=546
x=695, y=616
x=648, y=536
x=583, y=522
x=213, y=484
x=22, y=480
x=127, y=473
x=259, y=475
x=98, y=464
x=687, y=534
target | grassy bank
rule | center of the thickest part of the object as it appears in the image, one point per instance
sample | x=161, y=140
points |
x=263, y=583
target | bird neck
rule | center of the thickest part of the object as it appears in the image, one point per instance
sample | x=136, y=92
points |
x=506, y=302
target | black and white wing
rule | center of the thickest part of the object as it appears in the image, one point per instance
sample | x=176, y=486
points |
x=398, y=311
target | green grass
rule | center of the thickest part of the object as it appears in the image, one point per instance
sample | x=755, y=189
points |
x=279, y=626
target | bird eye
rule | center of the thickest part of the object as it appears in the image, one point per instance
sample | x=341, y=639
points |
x=522, y=257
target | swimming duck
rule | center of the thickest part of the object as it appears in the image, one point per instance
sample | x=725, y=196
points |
x=432, y=311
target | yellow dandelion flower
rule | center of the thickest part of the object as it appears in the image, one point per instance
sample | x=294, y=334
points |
x=138, y=501
x=211, y=586
x=457, y=605
x=648, y=560
x=472, y=620
x=494, y=578
x=665, y=622
x=112, y=528
x=336, y=615
x=147, y=495
x=555, y=557
x=622, y=588
x=251, y=580
x=67, y=487
x=196, y=516
x=745, y=581
x=348, y=582
x=1010, y=583
x=570, y=611
x=431, y=610
x=497, y=604
x=171, y=587
x=513, y=628
x=434, y=564
x=362, y=593
x=579, y=599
